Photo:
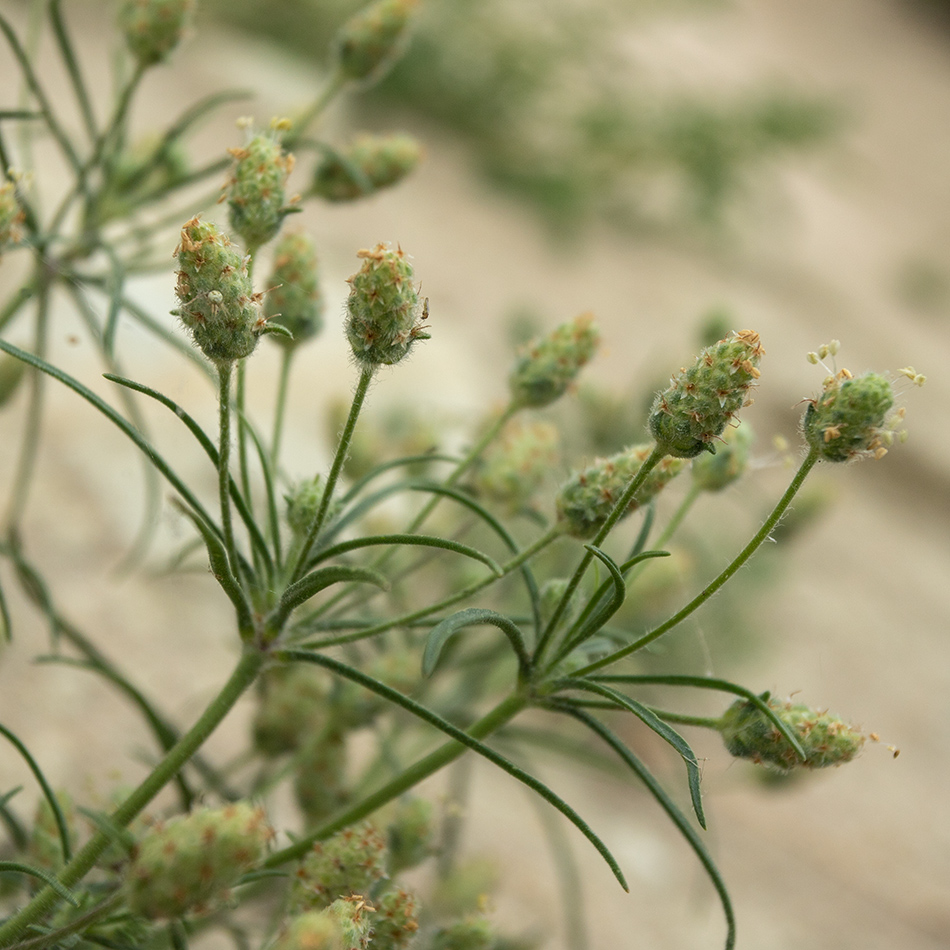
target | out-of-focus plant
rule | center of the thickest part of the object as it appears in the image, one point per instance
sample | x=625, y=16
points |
x=352, y=614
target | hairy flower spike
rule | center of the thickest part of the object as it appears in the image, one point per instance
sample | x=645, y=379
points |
x=370, y=41
x=687, y=418
x=714, y=472
x=313, y=930
x=369, y=164
x=586, y=500
x=396, y=920
x=255, y=190
x=847, y=420
x=184, y=865
x=217, y=302
x=153, y=28
x=350, y=862
x=384, y=313
x=825, y=738
x=518, y=462
x=410, y=834
x=295, y=300
x=547, y=366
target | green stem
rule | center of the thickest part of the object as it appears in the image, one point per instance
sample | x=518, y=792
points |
x=503, y=713
x=224, y=452
x=342, y=450
x=617, y=512
x=474, y=588
x=282, y=389
x=681, y=512
x=240, y=402
x=324, y=98
x=761, y=536
x=243, y=676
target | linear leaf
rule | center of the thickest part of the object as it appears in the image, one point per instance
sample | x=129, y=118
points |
x=453, y=732
x=44, y=876
x=422, y=540
x=443, y=631
x=666, y=803
x=316, y=581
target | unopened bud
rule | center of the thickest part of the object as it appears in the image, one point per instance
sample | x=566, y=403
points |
x=369, y=164
x=825, y=738
x=384, y=313
x=687, y=418
x=586, y=500
x=469, y=933
x=217, y=303
x=292, y=702
x=715, y=472
x=396, y=920
x=515, y=466
x=320, y=780
x=370, y=41
x=313, y=930
x=295, y=301
x=411, y=834
x=548, y=365
x=153, y=28
x=188, y=863
x=255, y=190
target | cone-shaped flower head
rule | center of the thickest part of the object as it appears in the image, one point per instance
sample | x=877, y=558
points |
x=547, y=366
x=369, y=164
x=715, y=472
x=826, y=740
x=255, y=190
x=586, y=500
x=687, y=418
x=848, y=419
x=369, y=42
x=190, y=861
x=295, y=300
x=350, y=862
x=515, y=466
x=216, y=301
x=153, y=28
x=313, y=930
x=396, y=920
x=410, y=834
x=384, y=312
x=470, y=933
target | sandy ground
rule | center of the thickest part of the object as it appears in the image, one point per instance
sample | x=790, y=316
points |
x=856, y=859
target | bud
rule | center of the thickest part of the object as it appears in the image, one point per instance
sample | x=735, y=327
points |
x=371, y=163
x=847, y=419
x=369, y=42
x=153, y=28
x=825, y=739
x=548, y=365
x=11, y=215
x=688, y=417
x=586, y=500
x=515, y=466
x=320, y=779
x=217, y=302
x=303, y=503
x=384, y=313
x=188, y=863
x=715, y=472
x=410, y=834
x=294, y=300
x=350, y=862
x=354, y=917
x=292, y=703
x=469, y=933
x=255, y=190
x=396, y=920
x=313, y=930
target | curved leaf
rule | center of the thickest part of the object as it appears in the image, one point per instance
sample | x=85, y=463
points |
x=453, y=732
x=316, y=581
x=381, y=469
x=663, y=729
x=422, y=540
x=44, y=876
x=666, y=803
x=442, y=632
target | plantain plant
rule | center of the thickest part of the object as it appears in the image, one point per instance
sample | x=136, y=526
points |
x=354, y=591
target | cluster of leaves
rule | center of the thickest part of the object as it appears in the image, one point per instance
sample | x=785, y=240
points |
x=350, y=617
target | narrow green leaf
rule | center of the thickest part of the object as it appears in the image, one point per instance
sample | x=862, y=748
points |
x=48, y=793
x=18, y=834
x=421, y=540
x=316, y=581
x=666, y=803
x=114, y=287
x=713, y=683
x=44, y=876
x=68, y=53
x=663, y=729
x=384, y=467
x=5, y=622
x=453, y=732
x=121, y=837
x=443, y=631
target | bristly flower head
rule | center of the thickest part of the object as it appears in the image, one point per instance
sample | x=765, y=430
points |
x=294, y=300
x=384, y=313
x=369, y=42
x=688, y=417
x=825, y=738
x=255, y=190
x=216, y=301
x=586, y=500
x=548, y=365
x=714, y=472
x=517, y=463
x=153, y=28
x=369, y=164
